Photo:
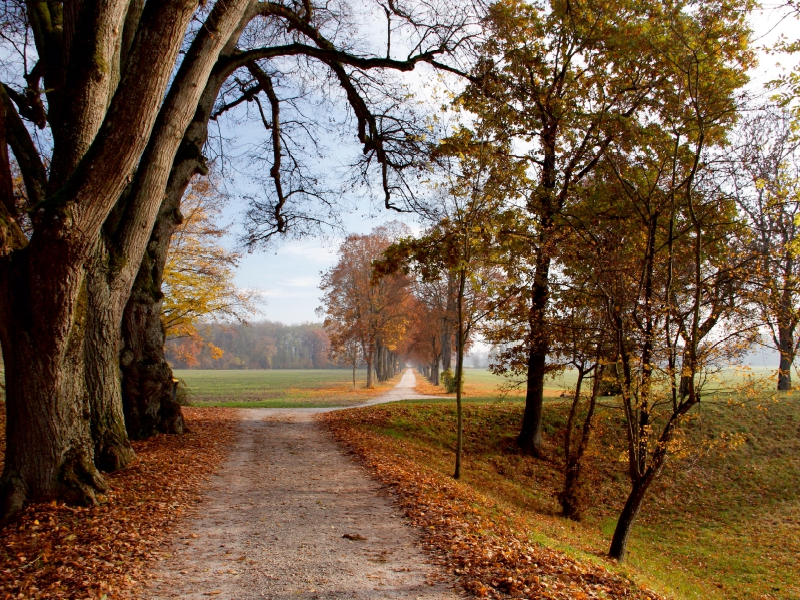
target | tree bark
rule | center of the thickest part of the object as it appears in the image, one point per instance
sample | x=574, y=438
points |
x=786, y=349
x=569, y=497
x=43, y=317
x=370, y=380
x=530, y=435
x=147, y=378
x=112, y=449
x=619, y=543
x=44, y=304
x=459, y=372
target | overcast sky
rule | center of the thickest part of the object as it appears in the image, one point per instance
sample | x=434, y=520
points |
x=289, y=275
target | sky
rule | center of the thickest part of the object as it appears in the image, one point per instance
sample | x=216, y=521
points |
x=288, y=275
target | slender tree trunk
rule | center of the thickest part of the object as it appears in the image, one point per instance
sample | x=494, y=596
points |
x=569, y=497
x=786, y=349
x=530, y=435
x=354, y=375
x=619, y=543
x=459, y=372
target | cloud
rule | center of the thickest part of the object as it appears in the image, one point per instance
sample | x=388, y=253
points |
x=286, y=293
x=303, y=282
x=311, y=252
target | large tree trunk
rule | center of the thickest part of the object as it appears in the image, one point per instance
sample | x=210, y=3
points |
x=43, y=317
x=112, y=450
x=530, y=435
x=147, y=378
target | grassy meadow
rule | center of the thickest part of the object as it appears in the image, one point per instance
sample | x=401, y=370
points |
x=288, y=388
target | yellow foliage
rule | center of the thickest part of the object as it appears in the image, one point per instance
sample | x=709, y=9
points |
x=198, y=276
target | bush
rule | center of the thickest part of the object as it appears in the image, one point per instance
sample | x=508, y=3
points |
x=181, y=392
x=448, y=380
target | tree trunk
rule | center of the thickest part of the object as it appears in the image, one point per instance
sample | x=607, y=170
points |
x=43, y=317
x=459, y=373
x=370, y=359
x=786, y=349
x=619, y=543
x=112, y=450
x=569, y=497
x=530, y=435
x=147, y=377
x=448, y=325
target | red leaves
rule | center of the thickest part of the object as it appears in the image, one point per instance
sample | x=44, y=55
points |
x=483, y=543
x=59, y=551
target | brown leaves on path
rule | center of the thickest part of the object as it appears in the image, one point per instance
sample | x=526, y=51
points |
x=483, y=542
x=59, y=551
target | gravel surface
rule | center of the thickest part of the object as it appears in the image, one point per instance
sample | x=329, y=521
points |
x=289, y=515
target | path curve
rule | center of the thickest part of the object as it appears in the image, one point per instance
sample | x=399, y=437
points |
x=289, y=515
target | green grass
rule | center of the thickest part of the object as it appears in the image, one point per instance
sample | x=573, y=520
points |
x=722, y=522
x=276, y=388
x=483, y=383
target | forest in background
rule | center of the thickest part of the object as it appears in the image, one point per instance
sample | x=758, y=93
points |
x=263, y=345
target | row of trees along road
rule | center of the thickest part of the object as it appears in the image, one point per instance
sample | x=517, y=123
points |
x=366, y=320
x=105, y=107
x=640, y=237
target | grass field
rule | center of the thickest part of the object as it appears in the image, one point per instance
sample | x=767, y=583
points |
x=277, y=388
x=720, y=523
x=481, y=383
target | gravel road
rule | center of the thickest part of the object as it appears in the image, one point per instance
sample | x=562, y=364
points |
x=289, y=515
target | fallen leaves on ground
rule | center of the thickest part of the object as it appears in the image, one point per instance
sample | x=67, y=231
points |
x=59, y=551
x=482, y=542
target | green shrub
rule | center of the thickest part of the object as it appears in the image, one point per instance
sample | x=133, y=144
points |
x=181, y=392
x=448, y=380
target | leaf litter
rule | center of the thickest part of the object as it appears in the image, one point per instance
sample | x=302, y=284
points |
x=57, y=551
x=480, y=541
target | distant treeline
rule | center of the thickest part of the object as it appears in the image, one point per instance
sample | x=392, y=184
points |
x=264, y=345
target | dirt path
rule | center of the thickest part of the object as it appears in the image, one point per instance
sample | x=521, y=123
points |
x=290, y=516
